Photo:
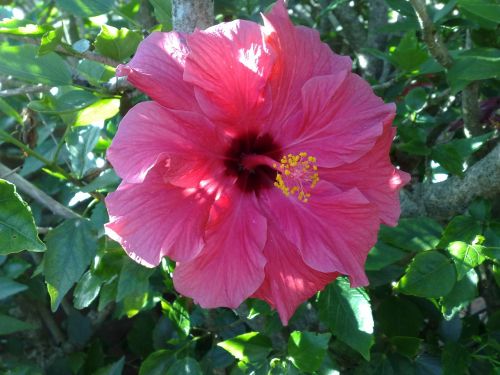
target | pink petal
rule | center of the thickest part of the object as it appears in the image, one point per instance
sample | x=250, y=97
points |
x=157, y=69
x=154, y=219
x=231, y=265
x=300, y=56
x=333, y=231
x=342, y=119
x=289, y=281
x=375, y=176
x=150, y=132
x=229, y=65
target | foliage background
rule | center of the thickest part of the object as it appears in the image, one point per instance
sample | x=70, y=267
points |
x=71, y=302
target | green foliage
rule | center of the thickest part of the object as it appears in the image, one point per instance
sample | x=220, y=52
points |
x=72, y=302
x=17, y=227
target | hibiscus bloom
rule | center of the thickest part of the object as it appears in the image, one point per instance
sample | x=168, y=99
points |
x=261, y=165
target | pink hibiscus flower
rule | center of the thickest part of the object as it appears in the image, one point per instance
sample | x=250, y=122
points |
x=261, y=166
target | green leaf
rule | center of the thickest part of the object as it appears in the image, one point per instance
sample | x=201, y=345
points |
x=416, y=99
x=461, y=295
x=383, y=255
x=50, y=40
x=115, y=368
x=95, y=72
x=430, y=275
x=17, y=226
x=465, y=257
x=251, y=347
x=97, y=112
x=134, y=280
x=179, y=315
x=460, y=228
x=399, y=317
x=409, y=54
x=163, y=13
x=347, y=313
x=157, y=363
x=10, y=325
x=70, y=248
x=449, y=158
x=80, y=142
x=468, y=68
x=415, y=234
x=307, y=349
x=86, y=290
x=66, y=102
x=455, y=359
x=85, y=8
x=23, y=63
x=408, y=346
x=117, y=44
x=6, y=108
x=22, y=27
x=185, y=366
x=10, y=287
x=488, y=9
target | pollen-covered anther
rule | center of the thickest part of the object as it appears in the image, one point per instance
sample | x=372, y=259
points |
x=297, y=175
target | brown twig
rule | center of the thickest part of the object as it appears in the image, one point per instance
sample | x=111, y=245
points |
x=431, y=37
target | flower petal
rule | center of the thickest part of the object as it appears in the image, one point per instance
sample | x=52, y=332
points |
x=157, y=69
x=342, y=119
x=333, y=231
x=150, y=132
x=154, y=219
x=375, y=176
x=229, y=65
x=231, y=265
x=289, y=281
x=300, y=56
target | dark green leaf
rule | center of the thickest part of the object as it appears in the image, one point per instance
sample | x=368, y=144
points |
x=416, y=99
x=10, y=325
x=409, y=55
x=488, y=9
x=347, y=313
x=408, y=346
x=467, y=69
x=460, y=228
x=115, y=368
x=449, y=158
x=399, y=317
x=383, y=255
x=185, y=366
x=157, y=363
x=86, y=290
x=70, y=249
x=416, y=234
x=307, y=349
x=179, y=315
x=134, y=280
x=117, y=44
x=10, y=287
x=251, y=347
x=430, y=275
x=17, y=227
x=461, y=295
x=455, y=359
x=22, y=63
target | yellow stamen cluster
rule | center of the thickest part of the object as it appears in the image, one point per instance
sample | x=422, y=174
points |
x=297, y=175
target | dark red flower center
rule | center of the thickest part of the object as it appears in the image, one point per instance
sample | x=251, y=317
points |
x=257, y=177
